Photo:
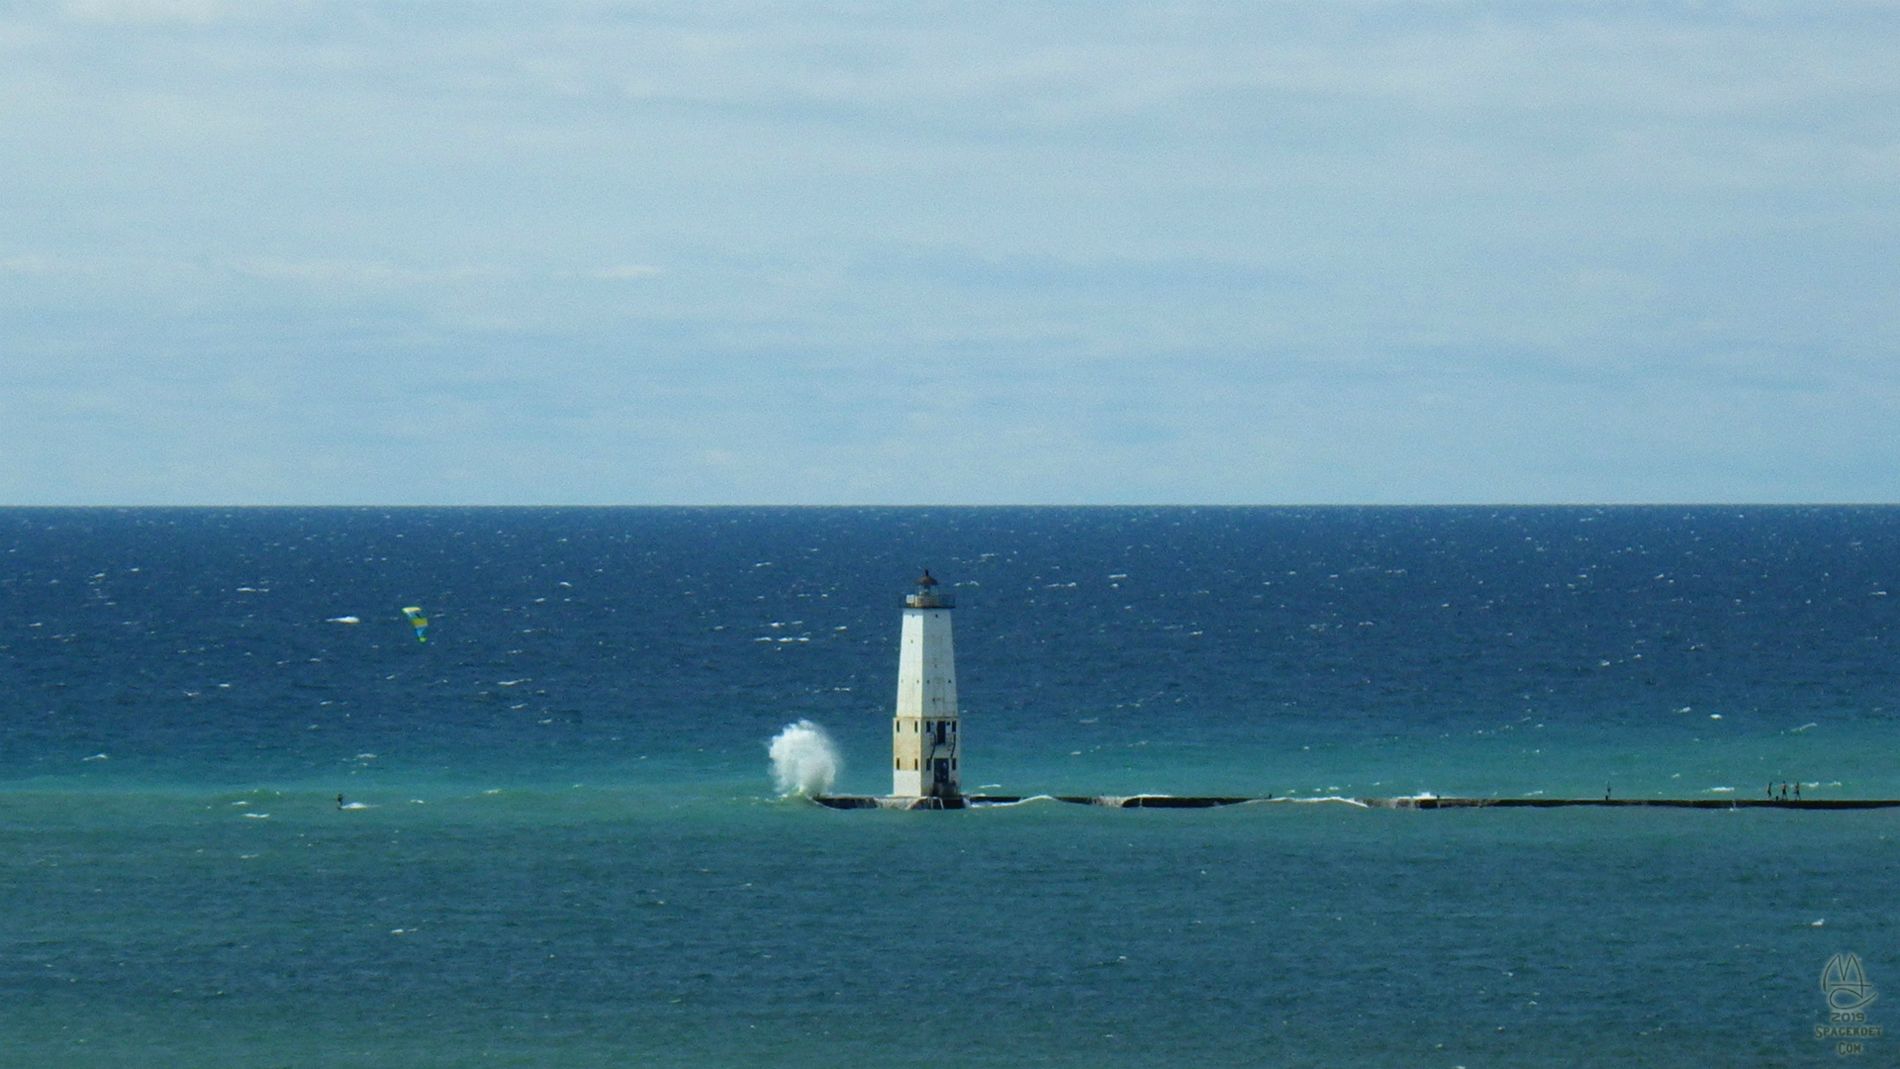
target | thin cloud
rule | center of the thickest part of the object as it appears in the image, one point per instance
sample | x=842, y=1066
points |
x=143, y=12
x=627, y=272
x=29, y=265
x=366, y=273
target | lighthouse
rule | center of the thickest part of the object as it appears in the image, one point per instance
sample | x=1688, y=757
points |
x=925, y=743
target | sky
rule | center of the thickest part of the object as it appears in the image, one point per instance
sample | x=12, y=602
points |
x=628, y=253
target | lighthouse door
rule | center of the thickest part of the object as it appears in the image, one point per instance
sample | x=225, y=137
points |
x=940, y=776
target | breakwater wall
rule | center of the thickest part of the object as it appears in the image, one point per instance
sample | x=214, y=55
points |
x=1173, y=801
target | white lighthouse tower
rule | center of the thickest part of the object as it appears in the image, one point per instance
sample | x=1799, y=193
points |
x=925, y=743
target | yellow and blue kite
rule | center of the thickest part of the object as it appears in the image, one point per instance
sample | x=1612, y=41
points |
x=417, y=621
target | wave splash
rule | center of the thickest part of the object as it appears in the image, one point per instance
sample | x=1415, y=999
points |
x=804, y=761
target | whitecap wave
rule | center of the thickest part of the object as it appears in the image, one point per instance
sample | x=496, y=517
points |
x=1017, y=802
x=1338, y=799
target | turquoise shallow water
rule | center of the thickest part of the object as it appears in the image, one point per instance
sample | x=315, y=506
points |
x=570, y=853
x=582, y=928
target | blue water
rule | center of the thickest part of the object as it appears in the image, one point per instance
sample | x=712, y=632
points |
x=571, y=853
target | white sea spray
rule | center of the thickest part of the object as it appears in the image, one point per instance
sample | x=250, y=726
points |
x=804, y=760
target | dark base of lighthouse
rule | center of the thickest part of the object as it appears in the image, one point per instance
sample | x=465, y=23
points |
x=886, y=801
x=1172, y=801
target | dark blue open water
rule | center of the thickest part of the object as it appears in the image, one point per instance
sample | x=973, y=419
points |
x=572, y=854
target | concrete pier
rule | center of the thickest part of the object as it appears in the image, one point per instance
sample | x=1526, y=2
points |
x=1176, y=801
x=1665, y=803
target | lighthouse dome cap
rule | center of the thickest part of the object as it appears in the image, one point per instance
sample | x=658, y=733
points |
x=927, y=580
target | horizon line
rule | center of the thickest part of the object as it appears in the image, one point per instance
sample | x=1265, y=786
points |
x=1705, y=504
